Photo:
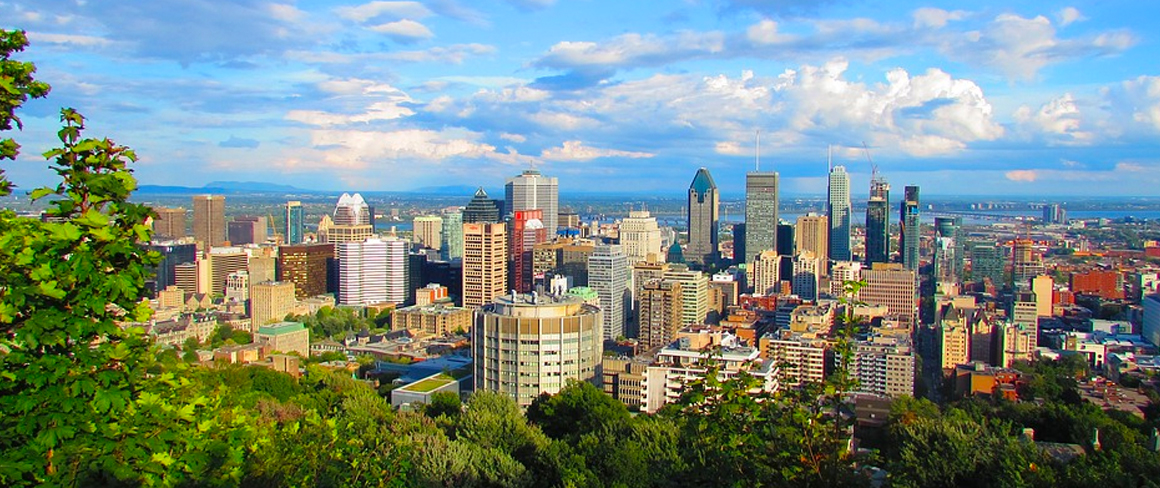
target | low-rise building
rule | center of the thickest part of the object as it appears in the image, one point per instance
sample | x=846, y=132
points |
x=436, y=319
x=979, y=378
x=285, y=337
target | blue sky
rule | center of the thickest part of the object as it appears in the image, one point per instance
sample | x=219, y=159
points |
x=1028, y=98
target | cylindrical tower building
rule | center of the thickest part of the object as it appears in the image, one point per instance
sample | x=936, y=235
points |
x=524, y=345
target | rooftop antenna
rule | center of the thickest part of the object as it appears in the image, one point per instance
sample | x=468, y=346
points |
x=758, y=156
x=830, y=157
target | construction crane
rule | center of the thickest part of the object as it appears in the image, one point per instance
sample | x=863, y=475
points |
x=271, y=229
x=873, y=167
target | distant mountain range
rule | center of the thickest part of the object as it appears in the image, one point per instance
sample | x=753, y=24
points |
x=235, y=187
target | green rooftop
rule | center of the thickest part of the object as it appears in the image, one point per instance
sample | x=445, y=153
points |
x=429, y=384
x=281, y=328
x=584, y=292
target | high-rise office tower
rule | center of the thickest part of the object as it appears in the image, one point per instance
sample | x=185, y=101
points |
x=659, y=312
x=878, y=221
x=172, y=254
x=986, y=262
x=484, y=263
x=703, y=219
x=838, y=204
x=952, y=227
x=812, y=234
x=169, y=223
x=608, y=275
x=452, y=236
x=351, y=221
x=223, y=261
x=295, y=223
x=892, y=286
x=481, y=209
x=910, y=228
x=534, y=191
x=247, y=230
x=523, y=346
x=428, y=231
x=307, y=266
x=270, y=302
x=527, y=230
x=362, y=272
x=807, y=272
x=209, y=219
x=640, y=236
x=760, y=214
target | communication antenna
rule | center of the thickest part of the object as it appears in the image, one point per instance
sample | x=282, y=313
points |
x=758, y=156
x=830, y=157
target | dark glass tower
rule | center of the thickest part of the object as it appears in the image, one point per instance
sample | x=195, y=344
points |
x=295, y=218
x=482, y=210
x=952, y=228
x=760, y=214
x=910, y=232
x=703, y=219
x=878, y=222
x=838, y=206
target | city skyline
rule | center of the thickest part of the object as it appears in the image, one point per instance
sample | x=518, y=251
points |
x=393, y=96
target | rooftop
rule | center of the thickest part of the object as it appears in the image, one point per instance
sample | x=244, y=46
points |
x=281, y=328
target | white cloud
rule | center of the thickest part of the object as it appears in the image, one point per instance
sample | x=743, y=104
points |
x=69, y=39
x=1069, y=15
x=1134, y=106
x=765, y=33
x=516, y=138
x=1023, y=175
x=405, y=30
x=370, y=101
x=577, y=151
x=632, y=50
x=1059, y=120
x=935, y=18
x=396, y=10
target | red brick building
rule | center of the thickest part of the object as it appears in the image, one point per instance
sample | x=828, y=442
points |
x=1108, y=285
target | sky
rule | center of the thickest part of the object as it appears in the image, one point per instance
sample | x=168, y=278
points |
x=960, y=98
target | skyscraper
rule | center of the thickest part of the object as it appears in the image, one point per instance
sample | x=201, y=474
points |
x=270, y=302
x=892, y=286
x=811, y=234
x=694, y=293
x=398, y=271
x=527, y=230
x=531, y=190
x=247, y=230
x=910, y=228
x=452, y=236
x=428, y=231
x=640, y=236
x=986, y=262
x=295, y=222
x=703, y=219
x=352, y=221
x=878, y=221
x=481, y=209
x=948, y=249
x=767, y=273
x=484, y=263
x=362, y=272
x=838, y=204
x=169, y=223
x=760, y=214
x=608, y=275
x=209, y=219
x=307, y=266
x=806, y=272
x=659, y=312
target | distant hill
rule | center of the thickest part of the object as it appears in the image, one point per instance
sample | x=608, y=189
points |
x=222, y=187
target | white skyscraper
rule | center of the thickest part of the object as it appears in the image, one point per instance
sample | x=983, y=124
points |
x=362, y=272
x=608, y=275
x=766, y=273
x=839, y=213
x=533, y=191
x=639, y=236
x=396, y=284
